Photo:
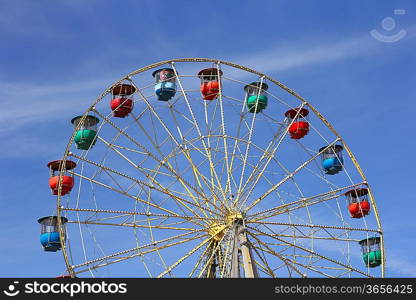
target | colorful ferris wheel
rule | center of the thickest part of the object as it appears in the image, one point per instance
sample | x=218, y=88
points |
x=198, y=167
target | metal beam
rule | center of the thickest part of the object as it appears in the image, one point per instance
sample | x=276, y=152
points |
x=250, y=269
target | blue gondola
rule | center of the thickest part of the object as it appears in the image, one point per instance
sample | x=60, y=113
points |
x=332, y=160
x=165, y=87
x=49, y=236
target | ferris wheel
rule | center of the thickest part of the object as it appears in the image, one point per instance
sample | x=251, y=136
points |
x=198, y=167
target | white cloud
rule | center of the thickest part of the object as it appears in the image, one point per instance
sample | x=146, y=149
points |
x=401, y=266
x=283, y=58
x=28, y=104
x=280, y=59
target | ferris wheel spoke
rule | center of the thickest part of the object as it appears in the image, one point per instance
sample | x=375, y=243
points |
x=262, y=268
x=127, y=195
x=224, y=133
x=152, y=237
x=265, y=267
x=183, y=258
x=117, y=190
x=153, y=140
x=173, y=139
x=267, y=248
x=218, y=160
x=301, y=203
x=256, y=168
x=160, y=188
x=237, y=137
x=205, y=180
x=200, y=259
x=312, y=252
x=320, y=175
x=209, y=204
x=183, y=237
x=309, y=204
x=118, y=257
x=272, y=120
x=287, y=258
x=275, y=253
x=250, y=135
x=125, y=224
x=314, y=237
x=212, y=186
x=271, y=183
x=269, y=156
x=126, y=217
x=274, y=187
x=293, y=236
x=186, y=152
x=310, y=268
x=209, y=126
x=135, y=213
x=157, y=147
x=243, y=83
x=311, y=234
x=289, y=212
x=214, y=250
x=207, y=151
x=319, y=269
x=186, y=185
x=315, y=226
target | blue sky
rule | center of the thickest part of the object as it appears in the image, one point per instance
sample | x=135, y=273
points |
x=57, y=58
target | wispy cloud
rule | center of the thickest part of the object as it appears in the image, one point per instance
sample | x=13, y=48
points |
x=300, y=54
x=28, y=103
x=286, y=58
x=402, y=266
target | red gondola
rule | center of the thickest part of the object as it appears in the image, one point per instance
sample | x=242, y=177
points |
x=210, y=85
x=122, y=99
x=358, y=205
x=67, y=181
x=300, y=126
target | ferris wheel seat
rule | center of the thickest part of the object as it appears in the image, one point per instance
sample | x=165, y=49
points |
x=165, y=90
x=121, y=107
x=359, y=209
x=210, y=90
x=50, y=241
x=261, y=101
x=85, y=138
x=332, y=165
x=371, y=251
x=298, y=129
x=372, y=259
x=67, y=184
